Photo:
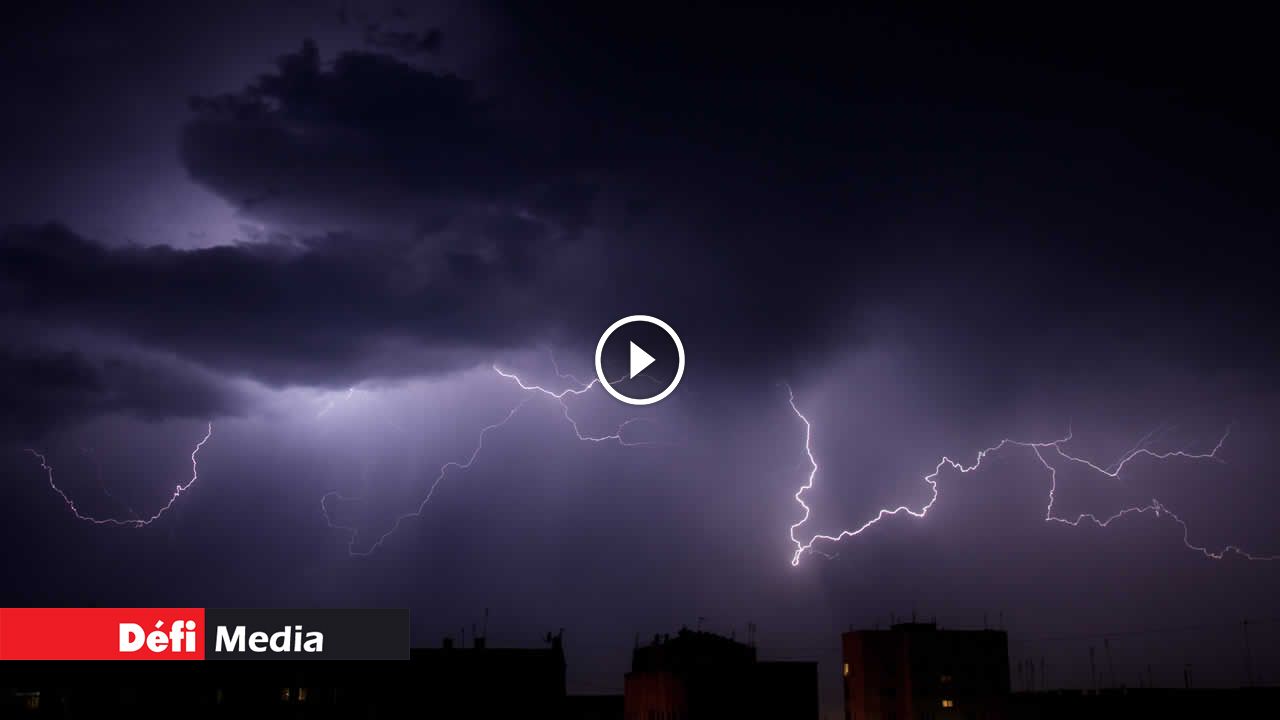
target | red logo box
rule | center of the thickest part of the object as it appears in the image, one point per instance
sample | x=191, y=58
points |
x=102, y=633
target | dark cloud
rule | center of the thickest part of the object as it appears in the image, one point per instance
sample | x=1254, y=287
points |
x=320, y=311
x=405, y=43
x=773, y=206
x=368, y=136
x=42, y=388
x=333, y=311
x=773, y=210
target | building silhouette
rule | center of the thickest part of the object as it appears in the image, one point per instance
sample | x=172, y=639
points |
x=1145, y=702
x=916, y=671
x=703, y=675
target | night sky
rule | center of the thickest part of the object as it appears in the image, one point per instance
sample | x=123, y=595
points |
x=318, y=226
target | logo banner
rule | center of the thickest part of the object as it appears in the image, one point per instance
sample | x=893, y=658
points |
x=200, y=634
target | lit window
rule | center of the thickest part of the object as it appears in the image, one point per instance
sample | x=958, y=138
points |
x=946, y=678
x=846, y=669
x=302, y=694
x=948, y=703
x=284, y=694
x=31, y=700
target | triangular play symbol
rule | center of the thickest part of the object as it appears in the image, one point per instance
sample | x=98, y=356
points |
x=639, y=360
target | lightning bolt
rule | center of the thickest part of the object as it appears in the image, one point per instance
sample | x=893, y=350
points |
x=135, y=522
x=1039, y=449
x=354, y=533
x=561, y=397
x=582, y=389
x=333, y=402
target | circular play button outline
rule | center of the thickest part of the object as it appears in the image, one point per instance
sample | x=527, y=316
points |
x=679, y=354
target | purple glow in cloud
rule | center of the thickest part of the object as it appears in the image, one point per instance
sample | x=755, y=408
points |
x=559, y=396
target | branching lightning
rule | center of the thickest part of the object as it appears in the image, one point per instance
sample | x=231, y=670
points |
x=354, y=533
x=135, y=521
x=561, y=397
x=1040, y=449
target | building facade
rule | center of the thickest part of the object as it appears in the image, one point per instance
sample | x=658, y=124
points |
x=703, y=675
x=916, y=671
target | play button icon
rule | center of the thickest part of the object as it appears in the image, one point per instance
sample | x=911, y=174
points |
x=639, y=360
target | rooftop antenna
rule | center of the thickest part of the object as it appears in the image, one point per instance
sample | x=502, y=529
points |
x=751, y=634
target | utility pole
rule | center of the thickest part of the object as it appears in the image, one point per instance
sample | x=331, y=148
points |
x=1248, y=658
